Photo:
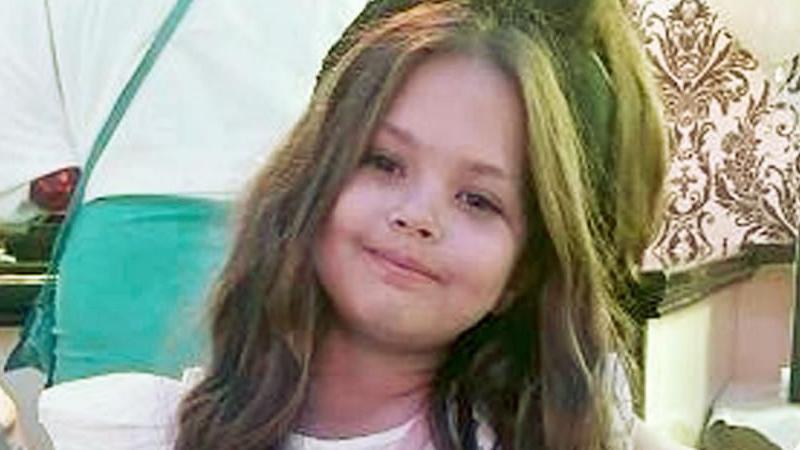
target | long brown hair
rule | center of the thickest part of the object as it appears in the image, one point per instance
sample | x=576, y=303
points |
x=536, y=370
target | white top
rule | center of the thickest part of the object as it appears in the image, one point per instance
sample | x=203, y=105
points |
x=410, y=435
x=394, y=438
x=137, y=411
x=227, y=87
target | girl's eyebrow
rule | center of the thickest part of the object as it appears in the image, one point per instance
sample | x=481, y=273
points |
x=474, y=167
x=401, y=134
x=492, y=171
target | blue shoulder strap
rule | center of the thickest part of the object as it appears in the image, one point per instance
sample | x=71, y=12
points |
x=114, y=118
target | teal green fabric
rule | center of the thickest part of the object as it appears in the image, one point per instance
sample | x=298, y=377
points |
x=133, y=285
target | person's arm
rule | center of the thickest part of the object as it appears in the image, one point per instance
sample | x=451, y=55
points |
x=51, y=192
x=644, y=438
x=47, y=194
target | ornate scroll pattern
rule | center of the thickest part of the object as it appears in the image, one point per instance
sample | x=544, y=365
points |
x=760, y=191
x=735, y=173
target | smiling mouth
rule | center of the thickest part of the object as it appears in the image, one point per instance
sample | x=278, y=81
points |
x=400, y=268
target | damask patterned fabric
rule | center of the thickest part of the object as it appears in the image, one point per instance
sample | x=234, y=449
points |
x=735, y=131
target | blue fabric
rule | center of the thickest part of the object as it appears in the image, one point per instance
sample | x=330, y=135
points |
x=133, y=285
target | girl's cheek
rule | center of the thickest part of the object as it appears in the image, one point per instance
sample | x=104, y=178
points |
x=366, y=199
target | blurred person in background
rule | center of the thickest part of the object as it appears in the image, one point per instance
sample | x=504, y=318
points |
x=153, y=225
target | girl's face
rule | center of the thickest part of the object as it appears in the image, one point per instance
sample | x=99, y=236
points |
x=423, y=237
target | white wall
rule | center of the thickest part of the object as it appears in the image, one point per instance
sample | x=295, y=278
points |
x=740, y=334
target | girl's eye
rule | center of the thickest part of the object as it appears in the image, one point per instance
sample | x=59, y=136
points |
x=478, y=202
x=382, y=163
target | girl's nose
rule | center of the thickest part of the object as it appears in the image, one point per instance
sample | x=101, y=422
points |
x=418, y=222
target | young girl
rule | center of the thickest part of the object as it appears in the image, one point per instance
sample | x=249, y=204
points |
x=432, y=258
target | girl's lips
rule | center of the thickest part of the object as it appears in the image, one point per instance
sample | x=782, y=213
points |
x=403, y=265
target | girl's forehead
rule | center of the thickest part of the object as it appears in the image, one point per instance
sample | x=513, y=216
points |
x=459, y=103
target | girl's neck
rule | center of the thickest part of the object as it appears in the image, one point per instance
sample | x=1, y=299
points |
x=356, y=389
